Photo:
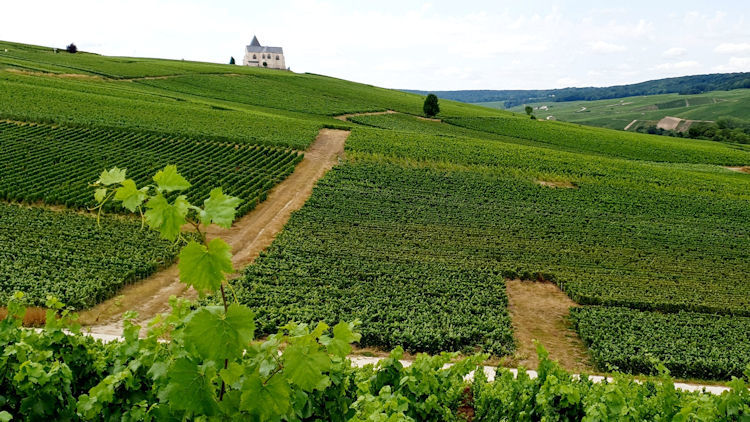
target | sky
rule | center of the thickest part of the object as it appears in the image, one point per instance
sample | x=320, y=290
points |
x=436, y=45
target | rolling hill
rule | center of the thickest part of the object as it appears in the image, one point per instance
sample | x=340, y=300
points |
x=695, y=84
x=644, y=111
x=414, y=232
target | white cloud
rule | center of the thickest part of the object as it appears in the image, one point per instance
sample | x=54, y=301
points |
x=606, y=48
x=732, y=48
x=674, y=52
x=685, y=64
x=735, y=64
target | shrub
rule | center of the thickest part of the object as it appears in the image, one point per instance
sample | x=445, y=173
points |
x=431, y=107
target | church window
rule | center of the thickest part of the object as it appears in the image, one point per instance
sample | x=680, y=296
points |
x=277, y=57
x=255, y=57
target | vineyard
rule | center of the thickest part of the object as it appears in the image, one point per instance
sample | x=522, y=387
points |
x=690, y=344
x=64, y=254
x=571, y=137
x=418, y=232
x=126, y=105
x=413, y=233
x=55, y=164
x=73, y=377
x=374, y=244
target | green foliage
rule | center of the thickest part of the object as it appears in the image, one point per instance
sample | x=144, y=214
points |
x=106, y=105
x=569, y=137
x=690, y=344
x=35, y=155
x=431, y=107
x=52, y=374
x=380, y=244
x=45, y=252
x=165, y=217
x=204, y=266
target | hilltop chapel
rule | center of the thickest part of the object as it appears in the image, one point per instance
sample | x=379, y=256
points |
x=257, y=55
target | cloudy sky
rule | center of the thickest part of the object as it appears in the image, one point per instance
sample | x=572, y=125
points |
x=436, y=45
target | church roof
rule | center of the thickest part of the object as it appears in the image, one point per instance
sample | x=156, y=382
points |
x=264, y=49
x=255, y=47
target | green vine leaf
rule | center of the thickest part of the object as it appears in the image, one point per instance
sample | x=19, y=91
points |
x=217, y=335
x=204, y=267
x=343, y=335
x=169, y=180
x=219, y=209
x=190, y=388
x=266, y=401
x=305, y=365
x=100, y=194
x=131, y=197
x=232, y=375
x=111, y=177
x=165, y=217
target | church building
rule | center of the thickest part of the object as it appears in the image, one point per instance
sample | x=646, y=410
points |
x=257, y=55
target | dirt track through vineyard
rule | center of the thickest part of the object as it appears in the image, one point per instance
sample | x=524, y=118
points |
x=539, y=311
x=248, y=237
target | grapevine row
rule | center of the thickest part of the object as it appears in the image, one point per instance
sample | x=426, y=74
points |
x=54, y=164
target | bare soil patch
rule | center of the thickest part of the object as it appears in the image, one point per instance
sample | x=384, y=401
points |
x=743, y=169
x=53, y=75
x=539, y=311
x=429, y=119
x=345, y=117
x=34, y=316
x=248, y=237
x=557, y=184
x=669, y=123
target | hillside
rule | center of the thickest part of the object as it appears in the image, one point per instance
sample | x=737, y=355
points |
x=695, y=84
x=638, y=113
x=414, y=232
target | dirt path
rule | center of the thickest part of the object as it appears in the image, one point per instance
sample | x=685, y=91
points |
x=744, y=169
x=344, y=117
x=539, y=311
x=248, y=237
x=630, y=124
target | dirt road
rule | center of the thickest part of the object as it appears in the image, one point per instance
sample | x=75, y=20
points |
x=539, y=311
x=344, y=117
x=248, y=237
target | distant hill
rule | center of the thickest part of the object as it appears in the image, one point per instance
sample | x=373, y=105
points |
x=694, y=84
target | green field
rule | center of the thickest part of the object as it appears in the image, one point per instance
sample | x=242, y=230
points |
x=645, y=110
x=58, y=170
x=64, y=254
x=416, y=230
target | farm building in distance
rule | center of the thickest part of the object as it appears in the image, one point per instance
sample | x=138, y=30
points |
x=263, y=56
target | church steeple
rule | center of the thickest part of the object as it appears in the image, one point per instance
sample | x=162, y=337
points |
x=255, y=42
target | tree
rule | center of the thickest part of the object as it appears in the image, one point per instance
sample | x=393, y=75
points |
x=231, y=60
x=431, y=107
x=72, y=49
x=529, y=109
